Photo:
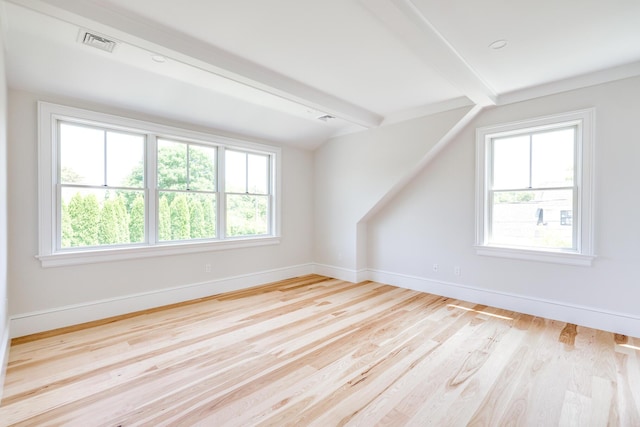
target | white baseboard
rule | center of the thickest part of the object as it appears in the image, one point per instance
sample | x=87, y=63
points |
x=622, y=323
x=4, y=356
x=34, y=322
x=341, y=273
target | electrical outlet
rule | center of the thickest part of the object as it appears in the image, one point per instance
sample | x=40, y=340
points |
x=456, y=270
x=207, y=268
x=435, y=267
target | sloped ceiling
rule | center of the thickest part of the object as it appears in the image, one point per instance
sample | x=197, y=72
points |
x=271, y=69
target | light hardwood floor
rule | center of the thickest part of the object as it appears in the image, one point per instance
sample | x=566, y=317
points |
x=319, y=351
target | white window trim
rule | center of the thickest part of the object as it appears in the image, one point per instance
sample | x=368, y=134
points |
x=48, y=116
x=584, y=254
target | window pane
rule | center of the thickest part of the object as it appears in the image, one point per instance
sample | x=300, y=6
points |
x=96, y=217
x=235, y=172
x=537, y=219
x=511, y=162
x=81, y=155
x=172, y=165
x=247, y=215
x=258, y=174
x=202, y=168
x=552, y=158
x=185, y=216
x=125, y=160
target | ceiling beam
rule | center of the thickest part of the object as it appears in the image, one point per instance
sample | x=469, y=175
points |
x=405, y=20
x=188, y=50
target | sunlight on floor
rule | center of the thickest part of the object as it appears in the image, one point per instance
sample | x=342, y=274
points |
x=630, y=346
x=479, y=311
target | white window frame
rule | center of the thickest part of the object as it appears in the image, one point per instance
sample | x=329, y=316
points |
x=50, y=256
x=583, y=254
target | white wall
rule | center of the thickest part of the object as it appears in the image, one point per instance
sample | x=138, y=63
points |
x=353, y=172
x=429, y=221
x=432, y=221
x=4, y=320
x=43, y=298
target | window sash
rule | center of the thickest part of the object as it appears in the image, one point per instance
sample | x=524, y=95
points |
x=189, y=194
x=188, y=166
x=105, y=149
x=532, y=164
x=544, y=233
x=267, y=221
x=246, y=177
x=100, y=246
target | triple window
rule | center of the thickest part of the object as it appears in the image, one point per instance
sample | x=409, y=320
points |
x=111, y=184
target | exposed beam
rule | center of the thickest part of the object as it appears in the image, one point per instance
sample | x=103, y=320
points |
x=180, y=47
x=427, y=110
x=405, y=20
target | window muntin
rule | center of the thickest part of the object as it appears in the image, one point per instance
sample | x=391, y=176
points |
x=532, y=183
x=117, y=164
x=534, y=191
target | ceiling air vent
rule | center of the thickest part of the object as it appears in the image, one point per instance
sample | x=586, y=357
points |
x=326, y=117
x=98, y=42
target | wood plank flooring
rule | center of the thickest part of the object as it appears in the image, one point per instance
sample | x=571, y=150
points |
x=323, y=352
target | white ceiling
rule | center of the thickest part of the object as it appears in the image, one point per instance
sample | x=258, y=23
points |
x=268, y=69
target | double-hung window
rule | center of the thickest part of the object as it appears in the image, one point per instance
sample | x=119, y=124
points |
x=115, y=188
x=187, y=191
x=534, y=196
x=96, y=196
x=247, y=193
